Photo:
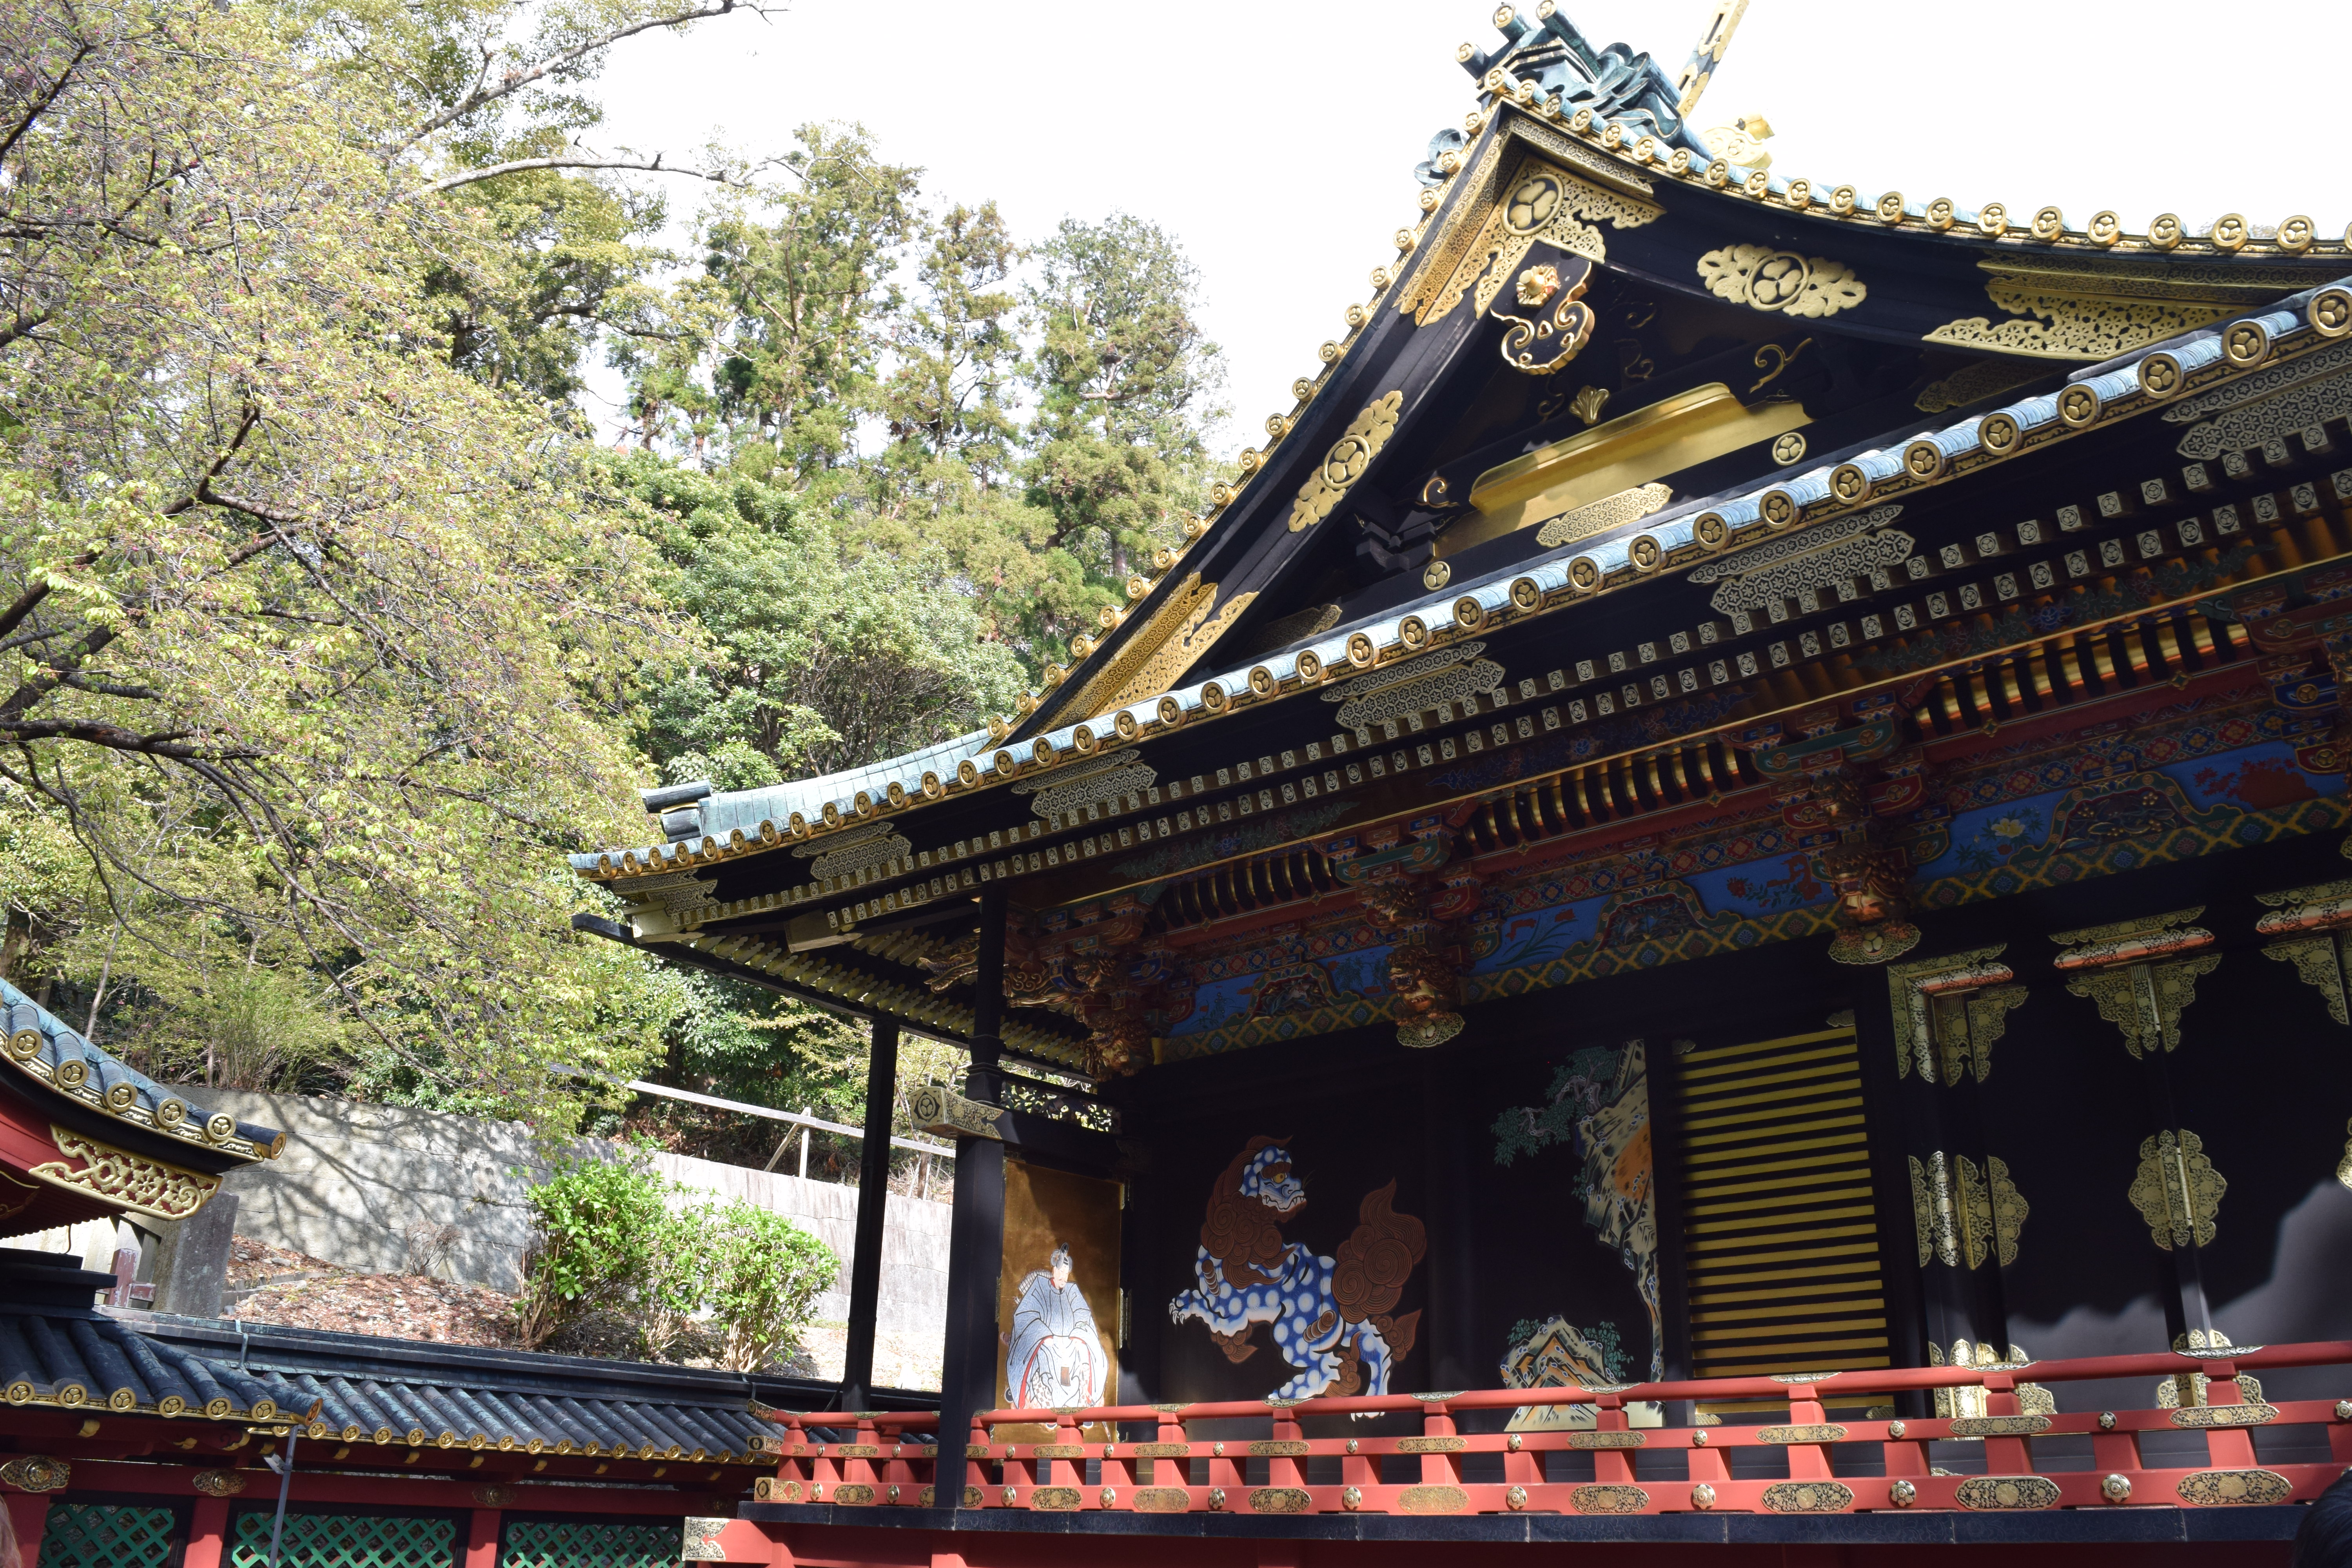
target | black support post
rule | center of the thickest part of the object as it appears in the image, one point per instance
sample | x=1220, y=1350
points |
x=976, y=1226
x=873, y=1209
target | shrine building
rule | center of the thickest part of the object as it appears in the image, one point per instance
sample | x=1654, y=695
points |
x=1708, y=909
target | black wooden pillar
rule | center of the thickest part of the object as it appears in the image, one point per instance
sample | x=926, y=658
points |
x=873, y=1209
x=976, y=1227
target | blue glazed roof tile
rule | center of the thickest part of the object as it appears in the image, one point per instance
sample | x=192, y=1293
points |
x=766, y=813
x=82, y=1359
x=45, y=1050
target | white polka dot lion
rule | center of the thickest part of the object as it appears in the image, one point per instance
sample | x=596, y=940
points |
x=1330, y=1316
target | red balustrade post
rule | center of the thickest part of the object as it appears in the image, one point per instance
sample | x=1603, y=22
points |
x=858, y=1470
x=1358, y=1469
x=1281, y=1468
x=1707, y=1462
x=901, y=1480
x=1521, y=1468
x=2229, y=1447
x=973, y=1468
x=2117, y=1451
x=1170, y=1463
x=1808, y=1461
x=1117, y=1477
x=791, y=1466
x=825, y=1472
x=1905, y=1457
x=1611, y=1465
x=1224, y=1472
x=1440, y=1465
x=1068, y=1466
x=2005, y=1455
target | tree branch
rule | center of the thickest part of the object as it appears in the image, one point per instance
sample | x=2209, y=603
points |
x=114, y=737
x=39, y=104
x=486, y=91
x=522, y=165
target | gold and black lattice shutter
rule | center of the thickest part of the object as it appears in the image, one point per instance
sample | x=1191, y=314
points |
x=1781, y=1227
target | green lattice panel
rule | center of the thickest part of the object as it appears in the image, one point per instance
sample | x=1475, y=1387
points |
x=347, y=1540
x=106, y=1535
x=582, y=1543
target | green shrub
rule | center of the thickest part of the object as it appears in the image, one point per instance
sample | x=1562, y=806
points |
x=766, y=1276
x=620, y=1236
x=594, y=1225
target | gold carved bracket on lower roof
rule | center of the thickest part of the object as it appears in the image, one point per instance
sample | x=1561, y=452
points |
x=126, y=1180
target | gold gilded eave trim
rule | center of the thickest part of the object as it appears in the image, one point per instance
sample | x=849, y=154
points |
x=126, y=1180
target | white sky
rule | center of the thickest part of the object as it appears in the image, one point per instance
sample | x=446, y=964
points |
x=1278, y=143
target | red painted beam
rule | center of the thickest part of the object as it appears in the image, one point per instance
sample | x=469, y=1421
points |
x=413, y=1492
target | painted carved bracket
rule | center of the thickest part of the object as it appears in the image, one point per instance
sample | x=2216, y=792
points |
x=1820, y=761
x=2308, y=927
x=2142, y=973
x=1949, y=1012
x=1400, y=876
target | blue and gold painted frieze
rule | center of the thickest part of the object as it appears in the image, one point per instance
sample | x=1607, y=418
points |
x=2240, y=767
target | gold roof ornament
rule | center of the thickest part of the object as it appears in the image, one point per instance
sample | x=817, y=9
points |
x=1700, y=67
x=1740, y=143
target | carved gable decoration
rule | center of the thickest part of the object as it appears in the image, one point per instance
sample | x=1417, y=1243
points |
x=1539, y=202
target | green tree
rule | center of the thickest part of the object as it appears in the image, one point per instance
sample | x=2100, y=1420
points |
x=772, y=350
x=1125, y=380
x=315, y=643
x=819, y=658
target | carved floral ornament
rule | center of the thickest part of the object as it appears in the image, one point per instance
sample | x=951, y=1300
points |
x=1540, y=204
x=1806, y=287
x=1345, y=463
x=37, y=1473
x=122, y=1178
x=1541, y=344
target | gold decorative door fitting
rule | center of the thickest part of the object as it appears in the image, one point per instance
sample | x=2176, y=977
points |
x=2142, y=973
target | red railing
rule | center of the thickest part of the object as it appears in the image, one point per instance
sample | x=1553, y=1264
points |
x=1174, y=1473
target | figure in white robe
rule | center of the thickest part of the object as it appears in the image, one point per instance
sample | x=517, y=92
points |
x=1056, y=1358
